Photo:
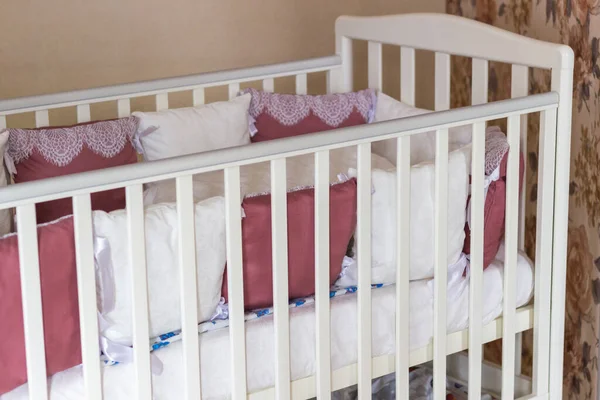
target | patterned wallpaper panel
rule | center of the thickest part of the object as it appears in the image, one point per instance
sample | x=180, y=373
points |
x=576, y=23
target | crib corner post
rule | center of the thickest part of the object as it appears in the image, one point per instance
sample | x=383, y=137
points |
x=562, y=83
x=341, y=79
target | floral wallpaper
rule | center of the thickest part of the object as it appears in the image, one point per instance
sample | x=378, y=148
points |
x=576, y=23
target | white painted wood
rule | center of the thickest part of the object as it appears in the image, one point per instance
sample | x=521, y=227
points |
x=363, y=231
x=141, y=173
x=510, y=258
x=322, y=285
x=123, y=108
x=562, y=83
x=476, y=265
x=31, y=295
x=442, y=81
x=453, y=35
x=280, y=277
x=441, y=262
x=86, y=289
x=188, y=279
x=233, y=90
x=333, y=80
x=543, y=347
x=162, y=101
x=83, y=113
x=383, y=365
x=268, y=85
x=198, y=96
x=42, y=118
x=2, y=122
x=479, y=85
x=137, y=260
x=407, y=75
x=167, y=85
x=343, y=48
x=402, y=268
x=520, y=88
x=235, y=282
x=301, y=84
x=375, y=55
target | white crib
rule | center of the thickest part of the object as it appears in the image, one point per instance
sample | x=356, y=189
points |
x=443, y=34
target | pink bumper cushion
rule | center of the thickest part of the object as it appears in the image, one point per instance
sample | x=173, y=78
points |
x=494, y=212
x=256, y=236
x=59, y=304
x=283, y=115
x=48, y=152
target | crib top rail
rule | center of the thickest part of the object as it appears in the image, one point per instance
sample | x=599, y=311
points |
x=166, y=85
x=140, y=173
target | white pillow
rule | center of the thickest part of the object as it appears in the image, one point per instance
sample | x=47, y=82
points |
x=172, y=133
x=422, y=216
x=5, y=215
x=162, y=258
x=422, y=145
x=256, y=178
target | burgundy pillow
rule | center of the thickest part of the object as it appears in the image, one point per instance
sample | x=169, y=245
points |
x=284, y=115
x=495, y=201
x=48, y=152
x=256, y=237
x=58, y=276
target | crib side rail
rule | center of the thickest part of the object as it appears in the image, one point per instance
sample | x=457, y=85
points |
x=79, y=186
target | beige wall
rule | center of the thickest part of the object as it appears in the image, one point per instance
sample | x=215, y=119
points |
x=52, y=46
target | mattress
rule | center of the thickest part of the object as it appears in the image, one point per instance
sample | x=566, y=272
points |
x=215, y=348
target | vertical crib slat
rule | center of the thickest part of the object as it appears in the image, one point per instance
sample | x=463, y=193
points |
x=403, y=267
x=476, y=273
x=510, y=259
x=442, y=102
x=35, y=353
x=86, y=288
x=83, y=113
x=441, y=264
x=162, y=101
x=280, y=277
x=442, y=81
x=268, y=85
x=301, y=84
x=123, y=108
x=543, y=258
x=235, y=282
x=375, y=65
x=198, y=96
x=233, y=90
x=363, y=230
x=322, y=283
x=345, y=51
x=2, y=122
x=407, y=75
x=42, y=118
x=188, y=285
x=137, y=260
x=479, y=87
x=519, y=88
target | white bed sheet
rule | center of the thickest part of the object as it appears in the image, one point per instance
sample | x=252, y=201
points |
x=119, y=380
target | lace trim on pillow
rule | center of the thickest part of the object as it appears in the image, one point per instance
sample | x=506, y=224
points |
x=332, y=109
x=60, y=146
x=496, y=146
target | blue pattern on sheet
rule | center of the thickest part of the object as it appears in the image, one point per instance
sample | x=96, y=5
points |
x=172, y=337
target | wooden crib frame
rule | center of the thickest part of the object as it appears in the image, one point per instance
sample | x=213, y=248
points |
x=443, y=34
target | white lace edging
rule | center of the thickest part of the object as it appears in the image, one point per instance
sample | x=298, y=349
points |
x=60, y=146
x=332, y=109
